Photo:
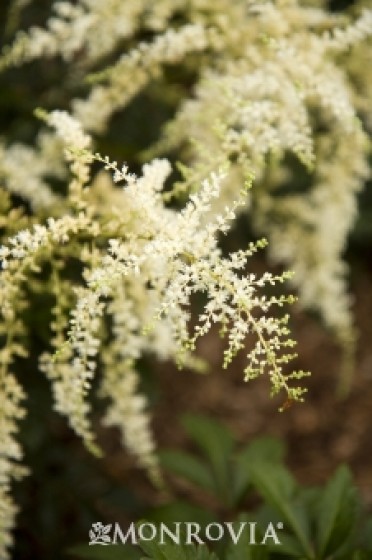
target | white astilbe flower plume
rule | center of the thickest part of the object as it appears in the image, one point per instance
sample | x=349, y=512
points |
x=278, y=89
x=166, y=257
x=270, y=84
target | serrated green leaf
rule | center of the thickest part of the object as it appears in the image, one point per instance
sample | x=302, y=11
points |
x=269, y=449
x=366, y=536
x=216, y=443
x=241, y=552
x=276, y=485
x=243, y=549
x=180, y=511
x=266, y=448
x=189, y=467
x=337, y=512
x=288, y=545
x=97, y=552
x=169, y=551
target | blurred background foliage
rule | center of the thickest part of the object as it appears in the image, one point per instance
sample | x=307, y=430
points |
x=69, y=489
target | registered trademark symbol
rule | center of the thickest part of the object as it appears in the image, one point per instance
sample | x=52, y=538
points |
x=279, y=525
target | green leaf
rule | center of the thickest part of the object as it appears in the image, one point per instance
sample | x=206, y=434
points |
x=189, y=467
x=243, y=549
x=242, y=552
x=113, y=552
x=266, y=448
x=217, y=444
x=366, y=534
x=170, y=551
x=277, y=487
x=269, y=449
x=337, y=512
x=288, y=545
x=180, y=511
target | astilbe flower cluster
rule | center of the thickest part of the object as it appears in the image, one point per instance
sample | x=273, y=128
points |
x=272, y=80
x=143, y=261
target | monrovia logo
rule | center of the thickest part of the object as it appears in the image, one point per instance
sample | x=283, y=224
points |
x=184, y=533
x=99, y=533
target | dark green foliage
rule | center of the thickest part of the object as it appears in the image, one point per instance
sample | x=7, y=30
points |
x=325, y=523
